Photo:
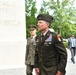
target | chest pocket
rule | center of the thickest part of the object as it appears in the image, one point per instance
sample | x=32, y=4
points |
x=47, y=43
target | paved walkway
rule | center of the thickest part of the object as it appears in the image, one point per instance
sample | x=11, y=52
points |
x=70, y=68
x=14, y=71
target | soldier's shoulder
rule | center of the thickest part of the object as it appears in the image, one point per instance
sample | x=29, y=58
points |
x=28, y=38
x=53, y=33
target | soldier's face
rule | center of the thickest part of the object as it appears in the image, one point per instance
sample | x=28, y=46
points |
x=42, y=25
x=33, y=32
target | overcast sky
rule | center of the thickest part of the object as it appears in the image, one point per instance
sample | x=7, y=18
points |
x=38, y=5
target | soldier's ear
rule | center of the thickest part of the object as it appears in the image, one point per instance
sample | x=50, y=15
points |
x=48, y=24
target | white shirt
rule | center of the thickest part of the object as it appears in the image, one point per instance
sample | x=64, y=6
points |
x=44, y=33
x=73, y=40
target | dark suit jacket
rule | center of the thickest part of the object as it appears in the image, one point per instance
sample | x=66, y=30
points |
x=50, y=55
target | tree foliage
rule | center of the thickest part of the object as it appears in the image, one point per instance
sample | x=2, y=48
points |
x=63, y=11
x=64, y=16
x=30, y=14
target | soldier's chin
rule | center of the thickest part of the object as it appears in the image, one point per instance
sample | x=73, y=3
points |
x=40, y=30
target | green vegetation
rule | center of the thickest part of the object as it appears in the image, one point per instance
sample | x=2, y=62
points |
x=63, y=11
x=65, y=44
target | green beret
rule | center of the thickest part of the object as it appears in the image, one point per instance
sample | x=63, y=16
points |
x=45, y=17
x=32, y=27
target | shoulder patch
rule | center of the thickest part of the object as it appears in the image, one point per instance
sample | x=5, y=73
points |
x=59, y=37
x=49, y=38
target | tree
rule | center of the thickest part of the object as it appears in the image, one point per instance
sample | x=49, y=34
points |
x=63, y=13
x=44, y=7
x=30, y=14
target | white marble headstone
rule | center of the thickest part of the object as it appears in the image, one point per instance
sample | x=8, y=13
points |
x=12, y=34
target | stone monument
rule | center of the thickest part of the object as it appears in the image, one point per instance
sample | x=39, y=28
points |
x=12, y=37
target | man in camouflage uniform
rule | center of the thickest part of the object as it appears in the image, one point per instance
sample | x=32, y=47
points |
x=51, y=55
x=30, y=50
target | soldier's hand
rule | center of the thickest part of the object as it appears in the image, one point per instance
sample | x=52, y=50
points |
x=59, y=73
x=37, y=71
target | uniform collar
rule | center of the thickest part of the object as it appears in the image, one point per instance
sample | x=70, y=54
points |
x=45, y=33
x=33, y=36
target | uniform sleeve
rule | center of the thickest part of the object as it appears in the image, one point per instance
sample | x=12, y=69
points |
x=36, y=60
x=62, y=53
x=27, y=51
